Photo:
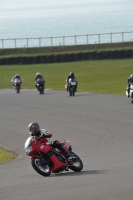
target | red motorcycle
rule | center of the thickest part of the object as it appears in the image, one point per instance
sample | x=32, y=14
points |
x=46, y=160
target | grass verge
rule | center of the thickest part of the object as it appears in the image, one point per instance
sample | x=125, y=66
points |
x=6, y=155
x=98, y=76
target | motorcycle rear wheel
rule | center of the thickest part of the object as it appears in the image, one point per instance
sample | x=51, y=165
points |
x=73, y=91
x=77, y=165
x=42, y=169
x=70, y=94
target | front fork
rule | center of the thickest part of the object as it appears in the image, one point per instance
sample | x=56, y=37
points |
x=43, y=161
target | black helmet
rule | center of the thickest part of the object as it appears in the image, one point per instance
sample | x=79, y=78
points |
x=71, y=74
x=34, y=128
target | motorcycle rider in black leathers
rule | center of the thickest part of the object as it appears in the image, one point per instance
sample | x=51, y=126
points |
x=35, y=131
x=67, y=79
x=129, y=81
x=38, y=75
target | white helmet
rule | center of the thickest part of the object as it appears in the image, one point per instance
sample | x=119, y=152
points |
x=38, y=74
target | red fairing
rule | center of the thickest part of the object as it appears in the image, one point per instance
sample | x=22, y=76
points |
x=57, y=164
x=40, y=146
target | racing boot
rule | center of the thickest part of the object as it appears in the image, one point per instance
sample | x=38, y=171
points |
x=58, y=144
x=63, y=150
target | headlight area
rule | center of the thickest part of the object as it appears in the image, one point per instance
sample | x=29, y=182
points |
x=29, y=149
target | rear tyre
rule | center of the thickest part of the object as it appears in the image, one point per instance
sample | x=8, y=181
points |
x=42, y=169
x=77, y=165
x=73, y=91
x=70, y=92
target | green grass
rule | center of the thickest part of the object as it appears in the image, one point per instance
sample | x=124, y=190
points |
x=6, y=155
x=99, y=76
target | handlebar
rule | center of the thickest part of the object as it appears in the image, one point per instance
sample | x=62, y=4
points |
x=42, y=136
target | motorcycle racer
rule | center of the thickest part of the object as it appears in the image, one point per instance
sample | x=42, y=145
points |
x=38, y=133
x=16, y=76
x=71, y=75
x=129, y=81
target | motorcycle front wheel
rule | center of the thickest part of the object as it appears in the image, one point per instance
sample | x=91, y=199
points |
x=17, y=88
x=42, y=169
x=41, y=90
x=76, y=164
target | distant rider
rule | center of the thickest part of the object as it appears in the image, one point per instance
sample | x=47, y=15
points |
x=16, y=76
x=129, y=81
x=38, y=76
x=35, y=131
x=71, y=75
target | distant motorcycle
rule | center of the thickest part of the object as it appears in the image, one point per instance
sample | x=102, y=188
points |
x=17, y=84
x=72, y=82
x=46, y=160
x=130, y=93
x=40, y=84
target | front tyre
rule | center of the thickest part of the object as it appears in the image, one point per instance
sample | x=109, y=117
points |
x=42, y=169
x=75, y=164
x=42, y=90
x=17, y=88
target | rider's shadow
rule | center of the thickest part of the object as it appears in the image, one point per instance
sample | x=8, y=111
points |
x=81, y=173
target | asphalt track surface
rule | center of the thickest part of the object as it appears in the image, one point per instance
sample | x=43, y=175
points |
x=100, y=128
